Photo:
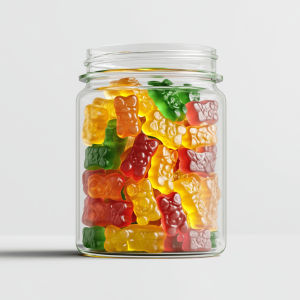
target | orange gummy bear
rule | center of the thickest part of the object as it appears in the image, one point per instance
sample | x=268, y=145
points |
x=115, y=89
x=128, y=122
x=106, y=186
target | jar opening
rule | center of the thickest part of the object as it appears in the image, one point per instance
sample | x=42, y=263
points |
x=152, y=56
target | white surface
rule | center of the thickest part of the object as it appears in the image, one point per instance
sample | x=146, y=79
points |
x=43, y=46
x=252, y=267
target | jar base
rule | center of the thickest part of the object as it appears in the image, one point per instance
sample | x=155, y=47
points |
x=135, y=254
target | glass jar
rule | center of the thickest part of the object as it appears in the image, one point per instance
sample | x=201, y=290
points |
x=151, y=153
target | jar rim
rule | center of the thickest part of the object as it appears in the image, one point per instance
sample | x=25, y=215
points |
x=172, y=56
x=119, y=49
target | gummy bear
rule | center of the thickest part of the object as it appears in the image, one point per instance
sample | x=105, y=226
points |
x=144, y=203
x=99, y=157
x=200, y=136
x=196, y=240
x=167, y=101
x=173, y=243
x=107, y=104
x=128, y=122
x=167, y=131
x=188, y=93
x=185, y=94
x=97, y=212
x=161, y=173
x=214, y=236
x=93, y=238
x=113, y=140
x=203, y=111
x=173, y=219
x=115, y=89
x=200, y=163
x=180, y=175
x=148, y=238
x=137, y=162
x=211, y=195
x=146, y=103
x=106, y=186
x=93, y=130
x=189, y=190
x=85, y=176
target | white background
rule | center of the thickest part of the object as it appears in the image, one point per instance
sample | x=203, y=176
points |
x=43, y=46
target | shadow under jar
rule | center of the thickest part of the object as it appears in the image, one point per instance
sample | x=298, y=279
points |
x=151, y=153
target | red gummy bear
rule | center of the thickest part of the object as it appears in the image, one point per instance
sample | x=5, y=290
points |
x=202, y=111
x=173, y=218
x=173, y=243
x=137, y=162
x=85, y=177
x=197, y=240
x=96, y=212
x=202, y=162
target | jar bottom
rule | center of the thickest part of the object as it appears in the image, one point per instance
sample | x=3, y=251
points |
x=137, y=254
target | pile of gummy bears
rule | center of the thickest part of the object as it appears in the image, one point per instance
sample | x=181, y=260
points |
x=150, y=162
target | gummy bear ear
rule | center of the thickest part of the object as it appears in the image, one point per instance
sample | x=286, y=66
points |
x=146, y=185
x=140, y=138
x=163, y=203
x=177, y=199
x=191, y=154
x=131, y=101
x=119, y=102
x=132, y=190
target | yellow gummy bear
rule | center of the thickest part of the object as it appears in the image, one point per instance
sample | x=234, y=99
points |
x=145, y=102
x=200, y=136
x=144, y=203
x=161, y=173
x=211, y=195
x=190, y=192
x=107, y=104
x=93, y=130
x=170, y=133
x=148, y=238
x=180, y=175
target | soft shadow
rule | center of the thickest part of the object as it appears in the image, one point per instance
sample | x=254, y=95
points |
x=40, y=254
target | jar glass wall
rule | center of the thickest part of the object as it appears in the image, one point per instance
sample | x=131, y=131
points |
x=151, y=153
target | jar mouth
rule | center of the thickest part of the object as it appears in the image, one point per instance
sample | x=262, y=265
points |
x=151, y=56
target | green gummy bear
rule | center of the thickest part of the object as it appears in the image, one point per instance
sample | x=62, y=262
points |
x=93, y=237
x=165, y=82
x=185, y=95
x=214, y=235
x=99, y=157
x=113, y=140
x=167, y=101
